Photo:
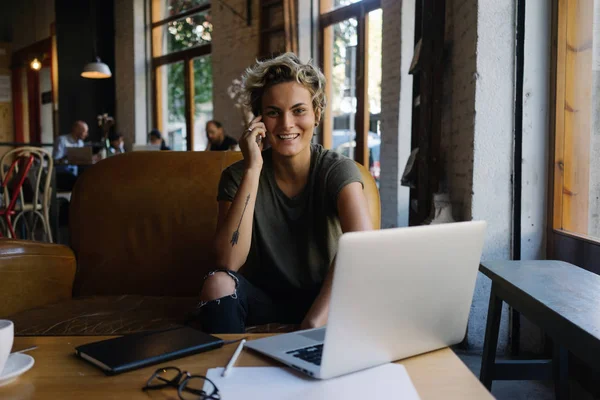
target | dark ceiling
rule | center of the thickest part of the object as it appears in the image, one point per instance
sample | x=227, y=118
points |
x=6, y=20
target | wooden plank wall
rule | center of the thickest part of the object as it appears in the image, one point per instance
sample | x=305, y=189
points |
x=573, y=117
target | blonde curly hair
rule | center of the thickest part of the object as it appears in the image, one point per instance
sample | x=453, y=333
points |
x=284, y=68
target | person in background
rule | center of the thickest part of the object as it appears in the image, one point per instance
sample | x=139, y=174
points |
x=66, y=175
x=157, y=139
x=117, y=144
x=217, y=140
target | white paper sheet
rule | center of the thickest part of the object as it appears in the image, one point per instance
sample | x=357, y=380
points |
x=389, y=381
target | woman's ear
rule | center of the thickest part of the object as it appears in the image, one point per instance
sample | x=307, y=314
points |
x=317, y=117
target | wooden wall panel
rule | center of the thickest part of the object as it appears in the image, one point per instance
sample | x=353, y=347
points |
x=577, y=115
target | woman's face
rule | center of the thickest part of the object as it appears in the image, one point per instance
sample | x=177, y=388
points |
x=213, y=133
x=289, y=117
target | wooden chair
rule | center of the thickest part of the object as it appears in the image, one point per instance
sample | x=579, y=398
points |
x=40, y=177
x=12, y=182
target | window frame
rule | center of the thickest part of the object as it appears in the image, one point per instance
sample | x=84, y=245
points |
x=573, y=247
x=186, y=56
x=327, y=18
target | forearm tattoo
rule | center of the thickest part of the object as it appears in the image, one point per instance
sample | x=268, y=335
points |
x=236, y=234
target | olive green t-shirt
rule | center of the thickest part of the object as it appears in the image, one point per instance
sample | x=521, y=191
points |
x=294, y=240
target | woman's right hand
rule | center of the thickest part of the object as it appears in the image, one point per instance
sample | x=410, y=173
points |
x=249, y=146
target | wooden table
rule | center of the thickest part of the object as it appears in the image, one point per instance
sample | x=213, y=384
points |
x=560, y=298
x=59, y=374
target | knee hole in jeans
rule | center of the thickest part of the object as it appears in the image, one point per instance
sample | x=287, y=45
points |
x=218, y=284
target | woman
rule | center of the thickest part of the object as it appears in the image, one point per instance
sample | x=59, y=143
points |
x=282, y=211
x=217, y=140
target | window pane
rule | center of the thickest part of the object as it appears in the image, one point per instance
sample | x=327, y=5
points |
x=329, y=5
x=577, y=196
x=342, y=3
x=374, y=92
x=203, y=99
x=184, y=33
x=171, y=104
x=343, y=86
x=162, y=9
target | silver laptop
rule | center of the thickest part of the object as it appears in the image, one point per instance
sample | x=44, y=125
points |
x=146, y=147
x=79, y=155
x=396, y=293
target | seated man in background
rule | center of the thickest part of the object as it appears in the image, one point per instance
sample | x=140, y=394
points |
x=217, y=140
x=66, y=175
x=156, y=139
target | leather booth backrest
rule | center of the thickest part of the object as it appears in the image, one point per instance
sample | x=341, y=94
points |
x=143, y=222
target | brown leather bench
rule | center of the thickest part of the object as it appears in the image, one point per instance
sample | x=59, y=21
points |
x=141, y=227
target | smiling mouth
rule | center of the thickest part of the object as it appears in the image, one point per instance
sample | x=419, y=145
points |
x=288, y=137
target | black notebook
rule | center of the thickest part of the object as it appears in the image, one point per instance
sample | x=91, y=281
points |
x=138, y=350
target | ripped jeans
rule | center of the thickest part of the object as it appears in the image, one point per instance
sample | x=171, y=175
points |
x=250, y=305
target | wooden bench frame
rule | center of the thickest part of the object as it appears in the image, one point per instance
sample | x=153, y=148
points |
x=568, y=335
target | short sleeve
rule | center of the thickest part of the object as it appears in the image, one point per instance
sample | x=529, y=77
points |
x=228, y=185
x=341, y=174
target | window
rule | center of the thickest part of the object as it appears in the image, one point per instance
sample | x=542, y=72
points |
x=350, y=37
x=576, y=197
x=182, y=71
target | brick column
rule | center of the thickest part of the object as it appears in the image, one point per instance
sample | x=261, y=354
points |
x=396, y=108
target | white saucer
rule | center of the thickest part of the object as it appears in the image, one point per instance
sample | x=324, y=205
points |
x=16, y=364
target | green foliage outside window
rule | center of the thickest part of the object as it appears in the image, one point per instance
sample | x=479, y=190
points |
x=182, y=34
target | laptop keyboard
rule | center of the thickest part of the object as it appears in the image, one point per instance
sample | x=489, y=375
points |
x=310, y=354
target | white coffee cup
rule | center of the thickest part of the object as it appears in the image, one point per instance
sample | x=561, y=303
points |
x=7, y=333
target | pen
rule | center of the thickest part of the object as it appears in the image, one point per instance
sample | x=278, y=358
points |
x=25, y=350
x=234, y=357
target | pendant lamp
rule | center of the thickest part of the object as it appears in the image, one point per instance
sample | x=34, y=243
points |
x=95, y=69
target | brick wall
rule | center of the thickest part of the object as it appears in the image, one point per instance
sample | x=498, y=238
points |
x=458, y=115
x=396, y=108
x=235, y=47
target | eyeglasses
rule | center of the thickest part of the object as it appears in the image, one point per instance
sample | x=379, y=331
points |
x=196, y=387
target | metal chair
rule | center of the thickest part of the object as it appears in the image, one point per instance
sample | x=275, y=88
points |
x=12, y=182
x=40, y=176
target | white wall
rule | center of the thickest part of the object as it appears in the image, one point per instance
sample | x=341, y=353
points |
x=536, y=134
x=493, y=144
x=306, y=29
x=594, y=182
x=536, y=81
x=46, y=122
